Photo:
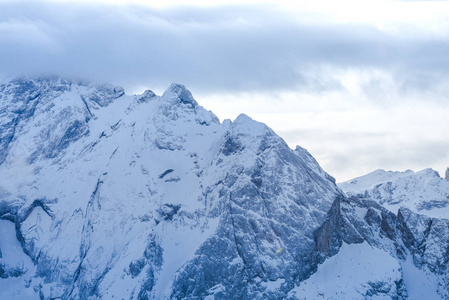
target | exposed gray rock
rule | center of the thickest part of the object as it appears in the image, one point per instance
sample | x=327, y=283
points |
x=151, y=197
x=424, y=239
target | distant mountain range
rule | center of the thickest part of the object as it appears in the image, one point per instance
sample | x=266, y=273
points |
x=422, y=192
x=105, y=195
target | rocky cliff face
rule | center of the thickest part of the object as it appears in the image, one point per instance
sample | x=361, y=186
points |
x=419, y=241
x=106, y=195
x=151, y=197
x=418, y=244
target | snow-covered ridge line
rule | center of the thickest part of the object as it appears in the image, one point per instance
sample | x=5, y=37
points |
x=151, y=197
x=424, y=191
x=137, y=194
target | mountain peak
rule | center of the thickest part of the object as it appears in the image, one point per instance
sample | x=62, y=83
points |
x=143, y=196
x=181, y=93
x=245, y=124
x=447, y=175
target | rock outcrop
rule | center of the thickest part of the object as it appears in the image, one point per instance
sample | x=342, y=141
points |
x=106, y=195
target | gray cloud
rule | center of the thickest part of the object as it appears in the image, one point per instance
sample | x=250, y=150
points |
x=348, y=154
x=216, y=49
x=253, y=51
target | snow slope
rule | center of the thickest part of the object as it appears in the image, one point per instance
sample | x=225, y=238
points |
x=358, y=271
x=16, y=268
x=132, y=196
x=105, y=195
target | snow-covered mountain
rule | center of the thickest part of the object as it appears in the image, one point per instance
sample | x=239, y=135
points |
x=422, y=192
x=105, y=195
x=409, y=213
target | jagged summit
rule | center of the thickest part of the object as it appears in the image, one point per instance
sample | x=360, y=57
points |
x=135, y=195
x=245, y=125
x=147, y=95
x=107, y=195
x=181, y=94
x=447, y=175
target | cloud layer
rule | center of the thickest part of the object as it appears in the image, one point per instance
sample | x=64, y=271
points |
x=266, y=61
x=213, y=48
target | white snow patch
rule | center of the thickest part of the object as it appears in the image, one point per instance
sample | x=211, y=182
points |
x=347, y=274
x=360, y=211
x=273, y=285
x=420, y=284
x=180, y=244
x=14, y=288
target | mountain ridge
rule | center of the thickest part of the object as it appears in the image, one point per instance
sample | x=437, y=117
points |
x=423, y=192
x=151, y=197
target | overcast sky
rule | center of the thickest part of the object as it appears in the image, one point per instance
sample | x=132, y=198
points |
x=361, y=84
